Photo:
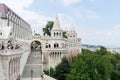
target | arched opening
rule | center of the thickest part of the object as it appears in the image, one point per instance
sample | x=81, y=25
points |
x=56, y=45
x=46, y=46
x=57, y=33
x=54, y=34
x=36, y=46
x=49, y=46
x=1, y=45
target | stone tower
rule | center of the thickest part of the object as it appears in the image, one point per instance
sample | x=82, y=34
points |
x=72, y=35
x=56, y=30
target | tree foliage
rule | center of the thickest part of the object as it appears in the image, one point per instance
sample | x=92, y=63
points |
x=89, y=65
x=48, y=27
x=99, y=65
x=62, y=69
x=64, y=34
x=50, y=72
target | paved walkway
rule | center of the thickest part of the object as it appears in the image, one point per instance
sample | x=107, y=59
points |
x=45, y=78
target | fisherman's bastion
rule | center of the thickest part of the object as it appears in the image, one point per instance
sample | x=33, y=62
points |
x=21, y=52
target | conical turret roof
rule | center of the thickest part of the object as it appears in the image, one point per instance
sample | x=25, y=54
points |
x=56, y=25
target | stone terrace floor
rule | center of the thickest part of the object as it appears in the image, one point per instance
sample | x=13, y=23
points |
x=45, y=78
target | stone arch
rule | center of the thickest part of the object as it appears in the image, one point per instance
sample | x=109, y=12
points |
x=36, y=45
x=1, y=45
x=57, y=33
x=49, y=46
x=46, y=45
x=54, y=34
x=56, y=45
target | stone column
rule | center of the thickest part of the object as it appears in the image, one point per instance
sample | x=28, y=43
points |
x=54, y=58
x=19, y=66
x=10, y=73
x=5, y=63
x=15, y=68
x=12, y=69
x=58, y=57
x=51, y=58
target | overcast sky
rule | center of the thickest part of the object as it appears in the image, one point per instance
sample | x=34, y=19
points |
x=95, y=21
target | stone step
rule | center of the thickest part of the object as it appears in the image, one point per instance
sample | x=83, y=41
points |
x=46, y=77
x=34, y=58
x=34, y=62
x=37, y=69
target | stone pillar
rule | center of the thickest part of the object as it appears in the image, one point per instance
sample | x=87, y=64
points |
x=54, y=58
x=50, y=59
x=10, y=73
x=19, y=66
x=15, y=68
x=12, y=69
x=5, y=62
x=58, y=57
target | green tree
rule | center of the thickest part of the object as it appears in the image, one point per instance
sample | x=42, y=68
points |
x=64, y=34
x=115, y=75
x=62, y=69
x=48, y=27
x=51, y=73
x=91, y=66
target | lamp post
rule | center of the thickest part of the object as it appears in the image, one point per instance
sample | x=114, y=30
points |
x=31, y=74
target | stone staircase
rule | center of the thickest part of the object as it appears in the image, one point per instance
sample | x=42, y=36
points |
x=37, y=69
x=34, y=62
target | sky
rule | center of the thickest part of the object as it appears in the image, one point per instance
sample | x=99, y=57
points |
x=96, y=22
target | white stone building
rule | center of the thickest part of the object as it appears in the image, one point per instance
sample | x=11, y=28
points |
x=16, y=40
x=54, y=47
x=15, y=35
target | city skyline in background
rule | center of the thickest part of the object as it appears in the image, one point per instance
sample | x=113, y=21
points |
x=96, y=21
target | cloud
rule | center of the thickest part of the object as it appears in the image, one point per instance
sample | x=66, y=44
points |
x=106, y=37
x=65, y=20
x=20, y=7
x=70, y=2
x=92, y=15
x=21, y=4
